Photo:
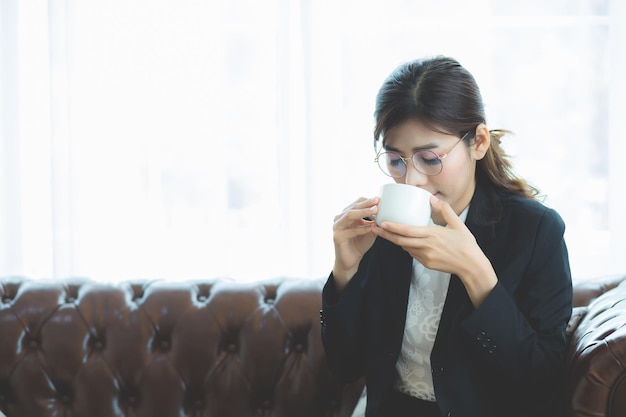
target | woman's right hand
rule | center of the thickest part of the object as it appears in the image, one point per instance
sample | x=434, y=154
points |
x=352, y=236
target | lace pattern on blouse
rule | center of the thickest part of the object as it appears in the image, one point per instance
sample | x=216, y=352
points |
x=427, y=296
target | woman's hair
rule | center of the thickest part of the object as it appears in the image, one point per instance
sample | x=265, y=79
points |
x=444, y=96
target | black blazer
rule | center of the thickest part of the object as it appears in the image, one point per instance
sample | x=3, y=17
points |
x=504, y=358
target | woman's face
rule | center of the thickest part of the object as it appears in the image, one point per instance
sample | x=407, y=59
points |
x=456, y=182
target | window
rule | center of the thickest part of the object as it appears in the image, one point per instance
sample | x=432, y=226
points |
x=188, y=139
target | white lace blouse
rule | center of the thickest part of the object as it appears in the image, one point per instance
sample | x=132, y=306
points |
x=427, y=294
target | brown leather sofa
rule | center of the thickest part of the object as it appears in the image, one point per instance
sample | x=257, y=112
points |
x=79, y=348
x=597, y=350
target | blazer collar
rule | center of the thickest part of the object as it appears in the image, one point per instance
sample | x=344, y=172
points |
x=484, y=213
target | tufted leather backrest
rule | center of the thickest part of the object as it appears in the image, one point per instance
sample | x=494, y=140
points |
x=78, y=348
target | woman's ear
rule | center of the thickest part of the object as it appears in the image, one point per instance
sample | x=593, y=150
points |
x=481, y=142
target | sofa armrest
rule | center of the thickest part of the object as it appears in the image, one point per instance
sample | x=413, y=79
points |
x=587, y=290
x=597, y=358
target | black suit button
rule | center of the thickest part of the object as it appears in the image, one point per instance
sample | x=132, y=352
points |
x=480, y=336
x=436, y=371
x=489, y=345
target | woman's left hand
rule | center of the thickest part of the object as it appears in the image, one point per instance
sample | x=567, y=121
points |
x=451, y=249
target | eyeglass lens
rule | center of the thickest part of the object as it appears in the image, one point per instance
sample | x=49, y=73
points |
x=426, y=162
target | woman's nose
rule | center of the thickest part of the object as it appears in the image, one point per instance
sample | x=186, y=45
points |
x=414, y=177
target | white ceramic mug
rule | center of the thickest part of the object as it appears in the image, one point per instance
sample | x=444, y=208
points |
x=405, y=204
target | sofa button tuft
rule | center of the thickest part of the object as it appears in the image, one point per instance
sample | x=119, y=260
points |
x=232, y=348
x=165, y=345
x=299, y=347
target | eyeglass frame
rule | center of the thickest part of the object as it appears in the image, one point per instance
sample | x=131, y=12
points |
x=440, y=157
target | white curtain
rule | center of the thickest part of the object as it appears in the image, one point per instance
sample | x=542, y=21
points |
x=198, y=138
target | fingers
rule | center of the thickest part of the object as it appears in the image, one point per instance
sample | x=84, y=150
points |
x=402, y=229
x=360, y=217
x=361, y=203
x=451, y=218
x=394, y=238
x=402, y=235
x=359, y=210
x=345, y=235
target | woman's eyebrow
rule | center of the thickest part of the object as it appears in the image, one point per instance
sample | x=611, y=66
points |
x=427, y=146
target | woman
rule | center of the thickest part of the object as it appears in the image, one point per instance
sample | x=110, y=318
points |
x=465, y=316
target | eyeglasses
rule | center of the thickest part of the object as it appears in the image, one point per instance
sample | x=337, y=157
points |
x=427, y=162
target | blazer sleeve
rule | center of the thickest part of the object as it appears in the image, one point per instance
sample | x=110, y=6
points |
x=343, y=322
x=519, y=330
